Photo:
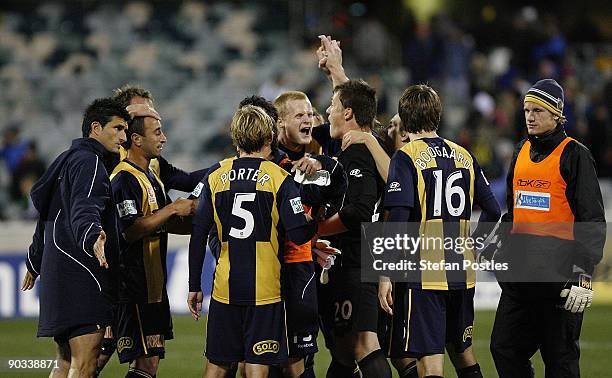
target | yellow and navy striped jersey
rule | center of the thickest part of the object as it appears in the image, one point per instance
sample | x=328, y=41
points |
x=437, y=180
x=252, y=203
x=139, y=193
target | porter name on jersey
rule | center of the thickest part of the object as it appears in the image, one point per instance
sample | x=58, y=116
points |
x=244, y=174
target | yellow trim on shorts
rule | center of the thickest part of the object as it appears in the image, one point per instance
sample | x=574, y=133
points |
x=144, y=344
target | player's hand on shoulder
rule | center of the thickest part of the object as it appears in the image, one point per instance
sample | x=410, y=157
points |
x=28, y=281
x=579, y=294
x=194, y=302
x=355, y=137
x=184, y=207
x=99, y=249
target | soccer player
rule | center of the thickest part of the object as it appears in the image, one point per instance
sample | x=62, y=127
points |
x=437, y=191
x=76, y=243
x=295, y=116
x=146, y=215
x=354, y=332
x=139, y=103
x=253, y=204
x=349, y=308
x=552, y=188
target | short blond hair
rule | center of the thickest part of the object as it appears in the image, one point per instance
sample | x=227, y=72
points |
x=280, y=103
x=251, y=128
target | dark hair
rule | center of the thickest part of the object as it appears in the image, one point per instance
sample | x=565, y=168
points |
x=137, y=126
x=361, y=98
x=102, y=110
x=380, y=133
x=270, y=110
x=126, y=93
x=266, y=105
x=420, y=109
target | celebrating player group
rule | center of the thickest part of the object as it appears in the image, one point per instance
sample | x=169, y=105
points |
x=284, y=219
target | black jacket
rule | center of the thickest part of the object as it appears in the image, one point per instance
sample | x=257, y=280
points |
x=74, y=200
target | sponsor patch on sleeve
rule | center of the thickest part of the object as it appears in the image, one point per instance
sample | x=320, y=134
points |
x=296, y=205
x=127, y=207
x=197, y=190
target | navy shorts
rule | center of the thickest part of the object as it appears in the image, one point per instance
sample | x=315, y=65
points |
x=254, y=334
x=352, y=305
x=301, y=306
x=75, y=331
x=426, y=321
x=142, y=330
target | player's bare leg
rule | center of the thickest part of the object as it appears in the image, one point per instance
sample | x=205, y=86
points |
x=370, y=358
x=465, y=362
x=367, y=342
x=213, y=370
x=294, y=368
x=84, y=351
x=461, y=360
x=405, y=367
x=431, y=365
x=63, y=361
x=146, y=364
x=256, y=370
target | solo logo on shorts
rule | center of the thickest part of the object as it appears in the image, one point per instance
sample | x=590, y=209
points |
x=124, y=343
x=468, y=333
x=266, y=346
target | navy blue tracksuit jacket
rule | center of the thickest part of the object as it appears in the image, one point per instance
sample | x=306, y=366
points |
x=74, y=200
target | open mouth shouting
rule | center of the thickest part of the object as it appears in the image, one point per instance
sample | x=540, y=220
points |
x=306, y=130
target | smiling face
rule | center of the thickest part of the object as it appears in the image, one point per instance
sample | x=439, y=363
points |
x=111, y=135
x=153, y=140
x=539, y=120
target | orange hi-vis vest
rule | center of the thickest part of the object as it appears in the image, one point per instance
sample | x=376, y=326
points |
x=540, y=204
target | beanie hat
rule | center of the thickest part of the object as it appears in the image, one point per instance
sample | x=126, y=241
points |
x=549, y=94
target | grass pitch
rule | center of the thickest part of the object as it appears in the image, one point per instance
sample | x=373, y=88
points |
x=184, y=353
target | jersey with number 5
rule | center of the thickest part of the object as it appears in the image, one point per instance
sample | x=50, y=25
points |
x=439, y=181
x=252, y=203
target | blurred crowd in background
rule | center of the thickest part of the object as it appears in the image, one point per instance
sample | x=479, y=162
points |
x=199, y=59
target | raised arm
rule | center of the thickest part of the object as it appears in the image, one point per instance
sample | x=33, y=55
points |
x=330, y=60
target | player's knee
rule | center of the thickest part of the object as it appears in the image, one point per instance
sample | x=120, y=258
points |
x=83, y=367
x=148, y=364
x=405, y=367
x=294, y=368
x=365, y=344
